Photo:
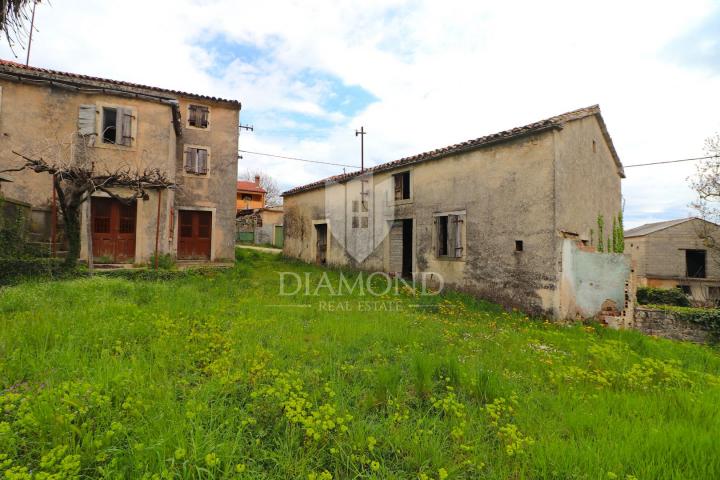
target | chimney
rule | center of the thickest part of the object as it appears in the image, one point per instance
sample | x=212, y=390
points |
x=257, y=180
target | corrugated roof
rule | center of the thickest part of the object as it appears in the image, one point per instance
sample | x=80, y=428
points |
x=20, y=69
x=656, y=226
x=250, y=186
x=504, y=136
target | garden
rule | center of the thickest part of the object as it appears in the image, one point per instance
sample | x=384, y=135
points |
x=213, y=374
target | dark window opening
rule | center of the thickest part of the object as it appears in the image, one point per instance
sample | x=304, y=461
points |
x=594, y=147
x=449, y=236
x=518, y=245
x=685, y=289
x=402, y=185
x=442, y=236
x=695, y=262
x=407, y=250
x=109, y=130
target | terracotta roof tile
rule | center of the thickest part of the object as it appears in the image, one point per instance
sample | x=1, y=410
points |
x=469, y=145
x=249, y=186
x=10, y=67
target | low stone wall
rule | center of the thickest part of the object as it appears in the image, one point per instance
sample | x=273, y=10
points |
x=664, y=323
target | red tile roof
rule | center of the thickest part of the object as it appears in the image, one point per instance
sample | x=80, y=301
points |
x=470, y=145
x=249, y=186
x=9, y=67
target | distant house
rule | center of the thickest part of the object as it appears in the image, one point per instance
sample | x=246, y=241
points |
x=250, y=195
x=261, y=226
x=508, y=216
x=675, y=254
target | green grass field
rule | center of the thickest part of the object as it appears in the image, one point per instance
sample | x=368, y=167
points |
x=205, y=377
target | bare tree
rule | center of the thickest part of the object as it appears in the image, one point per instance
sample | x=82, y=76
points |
x=706, y=184
x=75, y=180
x=14, y=17
x=273, y=196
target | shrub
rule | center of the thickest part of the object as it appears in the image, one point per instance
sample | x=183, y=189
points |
x=13, y=270
x=661, y=296
x=165, y=261
x=706, y=317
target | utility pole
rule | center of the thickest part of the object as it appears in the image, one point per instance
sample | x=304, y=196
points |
x=362, y=134
x=32, y=27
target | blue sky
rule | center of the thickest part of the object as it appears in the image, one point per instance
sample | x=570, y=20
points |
x=419, y=74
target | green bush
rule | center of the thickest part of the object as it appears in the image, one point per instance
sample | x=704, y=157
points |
x=157, y=275
x=661, y=296
x=12, y=270
x=165, y=261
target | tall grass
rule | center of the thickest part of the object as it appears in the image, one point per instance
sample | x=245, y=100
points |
x=216, y=375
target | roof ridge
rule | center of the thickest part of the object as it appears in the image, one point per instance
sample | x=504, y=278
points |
x=502, y=136
x=119, y=83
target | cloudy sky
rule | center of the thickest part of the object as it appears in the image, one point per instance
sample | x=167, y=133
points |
x=416, y=74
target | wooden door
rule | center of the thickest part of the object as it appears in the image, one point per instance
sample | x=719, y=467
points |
x=195, y=234
x=113, y=230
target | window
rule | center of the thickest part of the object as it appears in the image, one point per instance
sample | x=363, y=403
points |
x=695, y=263
x=518, y=245
x=401, y=182
x=685, y=289
x=594, y=146
x=196, y=160
x=117, y=126
x=359, y=222
x=198, y=116
x=449, y=236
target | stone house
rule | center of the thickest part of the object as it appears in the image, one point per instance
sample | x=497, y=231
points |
x=508, y=216
x=250, y=195
x=677, y=254
x=192, y=138
x=261, y=226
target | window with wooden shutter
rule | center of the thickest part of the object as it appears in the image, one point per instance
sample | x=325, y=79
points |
x=196, y=160
x=401, y=183
x=198, y=116
x=449, y=235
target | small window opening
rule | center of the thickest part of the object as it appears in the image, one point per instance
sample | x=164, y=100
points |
x=695, y=263
x=594, y=146
x=402, y=185
x=685, y=289
x=109, y=127
x=518, y=245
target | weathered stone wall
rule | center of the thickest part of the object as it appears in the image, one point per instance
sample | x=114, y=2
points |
x=664, y=323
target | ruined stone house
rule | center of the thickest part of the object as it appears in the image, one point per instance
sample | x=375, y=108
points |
x=677, y=254
x=509, y=216
x=190, y=137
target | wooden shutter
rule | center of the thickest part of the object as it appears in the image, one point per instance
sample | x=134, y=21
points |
x=86, y=120
x=451, y=235
x=124, y=128
x=397, y=179
x=457, y=226
x=202, y=157
x=191, y=160
x=204, y=115
x=192, y=115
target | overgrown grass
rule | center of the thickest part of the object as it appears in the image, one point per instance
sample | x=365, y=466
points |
x=218, y=376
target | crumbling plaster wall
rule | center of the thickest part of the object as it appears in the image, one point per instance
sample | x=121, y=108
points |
x=591, y=279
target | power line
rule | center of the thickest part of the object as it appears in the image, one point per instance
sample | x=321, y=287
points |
x=298, y=159
x=672, y=161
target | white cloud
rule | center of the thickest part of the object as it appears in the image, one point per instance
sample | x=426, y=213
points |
x=442, y=72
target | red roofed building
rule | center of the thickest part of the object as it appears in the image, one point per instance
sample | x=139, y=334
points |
x=250, y=195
